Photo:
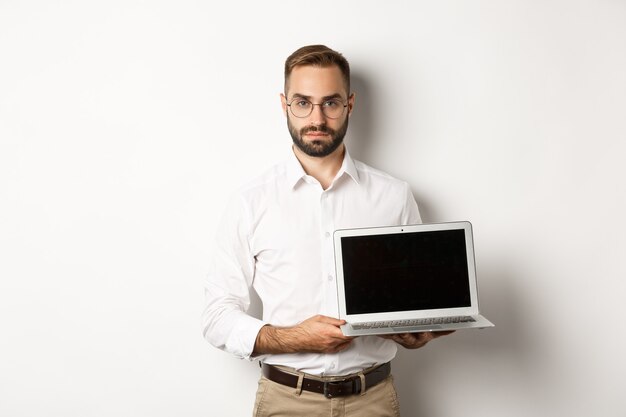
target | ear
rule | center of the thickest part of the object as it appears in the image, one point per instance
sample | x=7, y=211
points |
x=351, y=100
x=283, y=102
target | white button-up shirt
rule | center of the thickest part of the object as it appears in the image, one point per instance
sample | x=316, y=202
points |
x=276, y=237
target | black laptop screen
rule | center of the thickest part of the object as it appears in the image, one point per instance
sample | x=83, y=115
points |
x=405, y=271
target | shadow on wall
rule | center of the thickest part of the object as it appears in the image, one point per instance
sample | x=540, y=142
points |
x=365, y=134
x=469, y=359
x=363, y=122
x=426, y=208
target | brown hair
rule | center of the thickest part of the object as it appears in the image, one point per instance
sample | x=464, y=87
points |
x=319, y=56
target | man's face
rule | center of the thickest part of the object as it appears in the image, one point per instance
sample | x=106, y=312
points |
x=317, y=135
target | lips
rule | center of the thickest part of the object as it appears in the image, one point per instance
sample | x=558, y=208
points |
x=317, y=132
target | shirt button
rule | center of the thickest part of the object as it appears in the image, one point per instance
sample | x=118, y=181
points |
x=332, y=365
x=330, y=277
x=327, y=234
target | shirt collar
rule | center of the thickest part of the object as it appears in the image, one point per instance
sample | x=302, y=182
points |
x=295, y=172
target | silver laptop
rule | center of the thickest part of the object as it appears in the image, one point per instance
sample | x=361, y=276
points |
x=411, y=278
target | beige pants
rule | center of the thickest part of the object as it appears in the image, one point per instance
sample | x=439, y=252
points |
x=276, y=400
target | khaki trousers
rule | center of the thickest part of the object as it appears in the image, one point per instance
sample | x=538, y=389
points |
x=276, y=400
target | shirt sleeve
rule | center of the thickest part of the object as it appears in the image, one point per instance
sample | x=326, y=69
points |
x=225, y=323
x=410, y=211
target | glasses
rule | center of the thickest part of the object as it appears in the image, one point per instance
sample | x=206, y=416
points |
x=332, y=108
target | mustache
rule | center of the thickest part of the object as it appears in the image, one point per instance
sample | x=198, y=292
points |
x=321, y=128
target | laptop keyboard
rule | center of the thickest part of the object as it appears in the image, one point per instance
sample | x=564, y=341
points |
x=413, y=322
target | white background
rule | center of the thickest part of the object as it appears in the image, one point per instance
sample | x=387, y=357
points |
x=124, y=126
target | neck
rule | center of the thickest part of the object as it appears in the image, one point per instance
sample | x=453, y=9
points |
x=325, y=168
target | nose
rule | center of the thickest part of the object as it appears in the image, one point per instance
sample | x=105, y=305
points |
x=317, y=115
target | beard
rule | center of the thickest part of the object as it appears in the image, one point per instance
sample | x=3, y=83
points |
x=318, y=148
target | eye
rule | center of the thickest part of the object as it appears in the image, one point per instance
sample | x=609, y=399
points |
x=301, y=103
x=331, y=104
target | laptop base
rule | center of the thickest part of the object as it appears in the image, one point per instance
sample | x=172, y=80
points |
x=479, y=322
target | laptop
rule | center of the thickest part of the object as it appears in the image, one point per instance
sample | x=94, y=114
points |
x=403, y=279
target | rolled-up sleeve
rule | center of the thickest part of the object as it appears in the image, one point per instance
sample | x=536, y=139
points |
x=225, y=323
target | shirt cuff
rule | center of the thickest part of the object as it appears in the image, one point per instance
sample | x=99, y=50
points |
x=242, y=339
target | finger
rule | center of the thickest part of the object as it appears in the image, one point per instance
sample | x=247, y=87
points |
x=330, y=320
x=404, y=338
x=415, y=340
x=419, y=339
x=424, y=335
x=336, y=333
x=340, y=336
x=412, y=336
x=439, y=334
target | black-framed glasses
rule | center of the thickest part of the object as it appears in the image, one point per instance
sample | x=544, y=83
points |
x=332, y=108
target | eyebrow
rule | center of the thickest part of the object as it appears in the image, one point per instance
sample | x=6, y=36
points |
x=336, y=95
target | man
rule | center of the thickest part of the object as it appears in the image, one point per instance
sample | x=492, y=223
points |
x=276, y=237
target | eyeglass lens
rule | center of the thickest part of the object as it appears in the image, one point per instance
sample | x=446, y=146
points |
x=303, y=108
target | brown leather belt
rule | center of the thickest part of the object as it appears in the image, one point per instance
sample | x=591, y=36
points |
x=334, y=386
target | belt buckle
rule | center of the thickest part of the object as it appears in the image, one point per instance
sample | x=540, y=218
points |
x=328, y=384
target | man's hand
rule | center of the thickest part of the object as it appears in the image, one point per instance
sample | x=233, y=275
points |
x=318, y=334
x=415, y=340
